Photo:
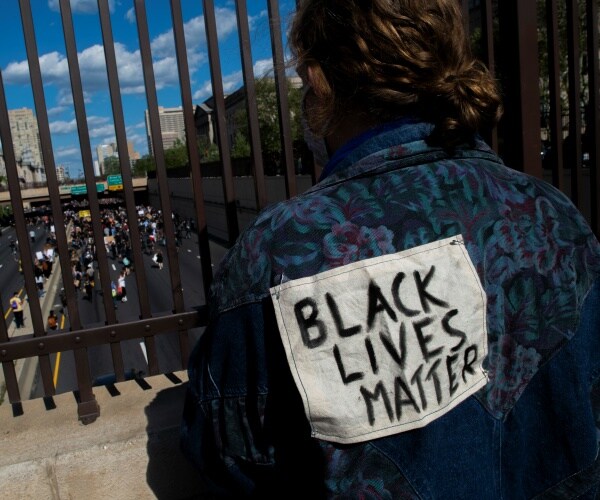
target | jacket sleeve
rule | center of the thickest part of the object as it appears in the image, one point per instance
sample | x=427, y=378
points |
x=244, y=426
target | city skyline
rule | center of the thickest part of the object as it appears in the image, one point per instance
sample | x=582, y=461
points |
x=54, y=68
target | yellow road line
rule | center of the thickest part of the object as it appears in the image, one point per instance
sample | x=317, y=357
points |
x=56, y=368
x=10, y=308
x=57, y=365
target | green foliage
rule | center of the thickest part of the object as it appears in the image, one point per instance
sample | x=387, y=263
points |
x=241, y=146
x=208, y=151
x=268, y=121
x=144, y=165
x=563, y=59
x=111, y=165
x=177, y=155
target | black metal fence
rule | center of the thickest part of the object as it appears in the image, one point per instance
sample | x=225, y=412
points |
x=508, y=38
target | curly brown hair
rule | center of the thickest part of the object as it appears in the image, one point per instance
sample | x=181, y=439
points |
x=391, y=58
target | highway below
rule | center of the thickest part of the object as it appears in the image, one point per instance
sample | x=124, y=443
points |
x=134, y=353
x=11, y=280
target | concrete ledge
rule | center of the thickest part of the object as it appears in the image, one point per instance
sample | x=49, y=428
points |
x=130, y=452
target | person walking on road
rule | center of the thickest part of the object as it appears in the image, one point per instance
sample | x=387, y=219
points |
x=159, y=259
x=52, y=320
x=121, y=289
x=16, y=305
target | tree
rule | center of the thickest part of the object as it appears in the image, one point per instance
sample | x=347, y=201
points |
x=208, y=150
x=241, y=146
x=176, y=156
x=268, y=121
x=111, y=165
x=144, y=165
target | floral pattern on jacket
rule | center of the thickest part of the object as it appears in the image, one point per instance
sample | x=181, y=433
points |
x=534, y=253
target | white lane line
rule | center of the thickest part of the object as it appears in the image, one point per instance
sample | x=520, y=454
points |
x=189, y=251
x=143, y=348
x=114, y=268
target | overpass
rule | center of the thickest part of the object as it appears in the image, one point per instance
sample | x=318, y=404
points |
x=67, y=191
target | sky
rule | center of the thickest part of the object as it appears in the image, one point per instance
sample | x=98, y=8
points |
x=55, y=75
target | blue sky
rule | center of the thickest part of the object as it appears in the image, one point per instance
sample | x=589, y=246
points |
x=50, y=41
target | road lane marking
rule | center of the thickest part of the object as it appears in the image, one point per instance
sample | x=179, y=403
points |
x=143, y=348
x=114, y=268
x=57, y=366
x=56, y=369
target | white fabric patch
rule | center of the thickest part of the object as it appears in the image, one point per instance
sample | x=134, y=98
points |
x=385, y=345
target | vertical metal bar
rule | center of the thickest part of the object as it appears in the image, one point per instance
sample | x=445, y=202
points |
x=86, y=155
x=282, y=98
x=593, y=120
x=119, y=121
x=574, y=138
x=464, y=4
x=117, y=109
x=251, y=104
x=192, y=146
x=159, y=155
x=21, y=228
x=192, y=150
x=10, y=378
x=89, y=409
x=219, y=100
x=556, y=135
x=520, y=63
x=35, y=76
x=487, y=30
x=8, y=367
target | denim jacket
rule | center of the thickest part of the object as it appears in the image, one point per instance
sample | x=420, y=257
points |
x=530, y=430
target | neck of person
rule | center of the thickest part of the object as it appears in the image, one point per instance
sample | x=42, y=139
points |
x=347, y=129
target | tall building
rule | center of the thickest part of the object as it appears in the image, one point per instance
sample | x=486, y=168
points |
x=172, y=127
x=60, y=174
x=104, y=151
x=27, y=146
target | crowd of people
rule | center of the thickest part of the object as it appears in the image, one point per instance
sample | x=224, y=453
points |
x=83, y=249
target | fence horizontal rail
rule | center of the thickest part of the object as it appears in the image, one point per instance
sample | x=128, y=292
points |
x=28, y=345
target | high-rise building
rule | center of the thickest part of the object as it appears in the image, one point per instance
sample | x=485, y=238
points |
x=172, y=127
x=104, y=151
x=27, y=146
x=60, y=174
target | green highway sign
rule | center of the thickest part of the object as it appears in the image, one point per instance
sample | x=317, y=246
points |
x=114, y=180
x=82, y=188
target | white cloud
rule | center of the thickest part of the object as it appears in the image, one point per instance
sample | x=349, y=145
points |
x=81, y=6
x=234, y=80
x=98, y=126
x=63, y=127
x=94, y=121
x=68, y=153
x=130, y=15
x=263, y=68
x=195, y=37
x=57, y=110
x=102, y=131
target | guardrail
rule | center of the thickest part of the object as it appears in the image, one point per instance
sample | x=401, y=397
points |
x=509, y=47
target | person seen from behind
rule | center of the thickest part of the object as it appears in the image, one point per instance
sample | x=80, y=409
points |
x=16, y=306
x=52, y=320
x=422, y=323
